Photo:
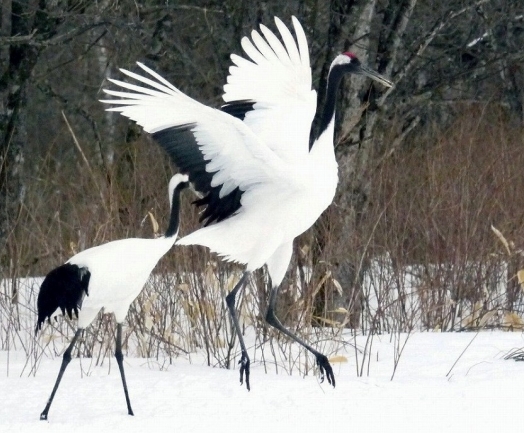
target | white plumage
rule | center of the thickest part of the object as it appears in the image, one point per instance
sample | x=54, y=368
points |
x=264, y=185
x=119, y=271
x=108, y=276
x=279, y=79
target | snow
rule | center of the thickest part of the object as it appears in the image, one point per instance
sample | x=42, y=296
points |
x=481, y=393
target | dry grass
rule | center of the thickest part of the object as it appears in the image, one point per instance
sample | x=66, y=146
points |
x=425, y=251
x=436, y=202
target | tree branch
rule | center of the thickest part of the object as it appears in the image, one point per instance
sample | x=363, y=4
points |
x=424, y=45
x=34, y=41
x=400, y=139
x=16, y=40
x=398, y=31
x=152, y=9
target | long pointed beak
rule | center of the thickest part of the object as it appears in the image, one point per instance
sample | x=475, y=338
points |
x=364, y=70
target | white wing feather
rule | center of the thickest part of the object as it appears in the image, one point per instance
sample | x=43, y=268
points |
x=266, y=155
x=278, y=79
x=239, y=158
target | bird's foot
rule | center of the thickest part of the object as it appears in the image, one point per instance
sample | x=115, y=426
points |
x=325, y=369
x=43, y=416
x=244, y=368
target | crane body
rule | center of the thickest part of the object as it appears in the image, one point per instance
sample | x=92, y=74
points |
x=108, y=276
x=262, y=184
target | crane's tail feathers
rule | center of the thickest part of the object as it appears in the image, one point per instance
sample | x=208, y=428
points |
x=228, y=239
x=218, y=241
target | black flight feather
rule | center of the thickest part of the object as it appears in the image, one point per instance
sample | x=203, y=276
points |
x=238, y=109
x=181, y=146
x=64, y=287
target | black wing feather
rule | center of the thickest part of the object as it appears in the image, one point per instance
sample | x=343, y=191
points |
x=64, y=287
x=238, y=109
x=180, y=144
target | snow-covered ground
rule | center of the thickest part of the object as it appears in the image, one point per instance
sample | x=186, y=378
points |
x=482, y=393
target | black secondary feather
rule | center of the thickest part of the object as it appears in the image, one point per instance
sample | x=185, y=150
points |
x=180, y=144
x=64, y=287
x=238, y=109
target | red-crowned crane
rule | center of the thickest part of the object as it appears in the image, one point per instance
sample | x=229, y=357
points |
x=262, y=184
x=108, y=276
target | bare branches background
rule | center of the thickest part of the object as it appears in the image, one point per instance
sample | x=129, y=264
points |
x=425, y=167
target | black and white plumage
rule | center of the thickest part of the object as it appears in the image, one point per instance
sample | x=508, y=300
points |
x=262, y=183
x=108, y=276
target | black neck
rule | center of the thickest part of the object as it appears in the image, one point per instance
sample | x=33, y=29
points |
x=333, y=82
x=174, y=220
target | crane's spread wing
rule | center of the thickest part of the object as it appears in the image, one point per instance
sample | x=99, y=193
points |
x=272, y=92
x=221, y=155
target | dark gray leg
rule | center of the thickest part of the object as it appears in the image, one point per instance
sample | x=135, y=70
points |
x=65, y=361
x=230, y=301
x=119, y=358
x=272, y=319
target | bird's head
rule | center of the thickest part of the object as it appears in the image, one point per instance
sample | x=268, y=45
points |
x=177, y=183
x=348, y=63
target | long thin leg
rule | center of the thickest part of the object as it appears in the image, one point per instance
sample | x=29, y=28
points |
x=230, y=301
x=65, y=361
x=272, y=319
x=119, y=358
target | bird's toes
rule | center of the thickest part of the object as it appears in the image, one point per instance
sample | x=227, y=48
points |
x=325, y=369
x=244, y=368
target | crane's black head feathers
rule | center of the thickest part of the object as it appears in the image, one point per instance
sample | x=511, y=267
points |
x=180, y=144
x=64, y=287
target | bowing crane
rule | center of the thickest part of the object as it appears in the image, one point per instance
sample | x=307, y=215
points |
x=261, y=182
x=108, y=276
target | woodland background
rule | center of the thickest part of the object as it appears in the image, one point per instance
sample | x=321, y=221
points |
x=426, y=168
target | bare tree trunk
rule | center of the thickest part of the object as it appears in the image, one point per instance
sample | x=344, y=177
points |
x=356, y=143
x=342, y=220
x=107, y=154
x=18, y=62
